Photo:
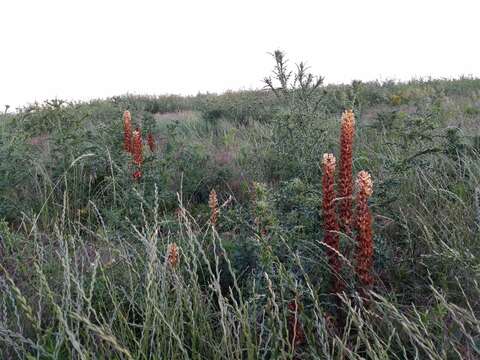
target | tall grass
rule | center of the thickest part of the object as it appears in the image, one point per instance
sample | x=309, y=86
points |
x=123, y=298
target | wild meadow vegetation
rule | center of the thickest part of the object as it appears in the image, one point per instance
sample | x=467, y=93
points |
x=300, y=221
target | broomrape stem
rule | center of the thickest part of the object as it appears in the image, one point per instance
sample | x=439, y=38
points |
x=331, y=237
x=345, y=190
x=213, y=204
x=127, y=131
x=295, y=328
x=173, y=256
x=137, y=153
x=364, y=256
x=151, y=142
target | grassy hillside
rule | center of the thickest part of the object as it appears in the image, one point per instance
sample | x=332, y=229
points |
x=97, y=263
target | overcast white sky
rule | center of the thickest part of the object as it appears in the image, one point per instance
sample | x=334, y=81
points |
x=99, y=48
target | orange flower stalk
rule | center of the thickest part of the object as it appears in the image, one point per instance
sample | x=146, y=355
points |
x=127, y=131
x=213, y=204
x=345, y=172
x=137, y=152
x=331, y=237
x=151, y=142
x=137, y=148
x=364, y=256
x=173, y=256
x=295, y=329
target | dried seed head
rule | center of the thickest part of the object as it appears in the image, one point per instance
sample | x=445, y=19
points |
x=213, y=204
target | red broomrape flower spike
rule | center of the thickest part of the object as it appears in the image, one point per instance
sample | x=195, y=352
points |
x=173, y=256
x=364, y=255
x=331, y=237
x=137, y=148
x=137, y=153
x=213, y=205
x=151, y=142
x=127, y=131
x=295, y=328
x=345, y=172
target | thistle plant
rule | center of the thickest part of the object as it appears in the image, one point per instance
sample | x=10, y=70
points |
x=127, y=131
x=265, y=223
x=331, y=226
x=298, y=130
x=364, y=255
x=264, y=218
x=345, y=172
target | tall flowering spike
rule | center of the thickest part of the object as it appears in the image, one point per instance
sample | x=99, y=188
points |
x=345, y=189
x=331, y=237
x=137, y=148
x=213, y=204
x=151, y=142
x=364, y=256
x=127, y=131
x=173, y=256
